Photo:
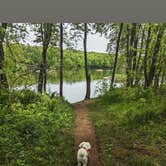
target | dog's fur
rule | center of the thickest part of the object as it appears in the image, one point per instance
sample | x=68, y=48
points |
x=82, y=154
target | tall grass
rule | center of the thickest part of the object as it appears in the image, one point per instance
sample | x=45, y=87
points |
x=130, y=125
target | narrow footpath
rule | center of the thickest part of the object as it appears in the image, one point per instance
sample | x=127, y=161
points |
x=84, y=131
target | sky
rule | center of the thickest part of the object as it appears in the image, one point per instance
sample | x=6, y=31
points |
x=95, y=42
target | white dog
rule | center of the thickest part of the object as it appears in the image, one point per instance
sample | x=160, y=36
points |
x=82, y=154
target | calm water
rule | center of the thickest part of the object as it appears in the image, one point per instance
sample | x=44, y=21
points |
x=74, y=91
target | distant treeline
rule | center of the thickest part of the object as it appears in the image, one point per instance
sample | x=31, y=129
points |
x=26, y=54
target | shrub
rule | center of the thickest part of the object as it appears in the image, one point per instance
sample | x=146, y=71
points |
x=116, y=95
x=113, y=96
x=36, y=130
x=22, y=96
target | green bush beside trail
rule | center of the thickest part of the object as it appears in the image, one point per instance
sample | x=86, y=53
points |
x=35, y=130
x=131, y=126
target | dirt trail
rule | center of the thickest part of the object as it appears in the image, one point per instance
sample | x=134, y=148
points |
x=84, y=131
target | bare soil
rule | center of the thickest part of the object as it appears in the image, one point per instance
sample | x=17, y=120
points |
x=84, y=131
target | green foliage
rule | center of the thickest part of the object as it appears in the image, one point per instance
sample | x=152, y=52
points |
x=35, y=130
x=116, y=95
x=22, y=64
x=130, y=125
x=71, y=57
x=23, y=61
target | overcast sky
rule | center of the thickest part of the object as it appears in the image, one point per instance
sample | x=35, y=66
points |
x=95, y=42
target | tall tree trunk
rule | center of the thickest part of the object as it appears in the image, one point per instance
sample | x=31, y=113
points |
x=116, y=54
x=138, y=71
x=42, y=74
x=157, y=78
x=135, y=44
x=145, y=57
x=44, y=69
x=61, y=59
x=87, y=75
x=130, y=53
x=46, y=30
x=127, y=56
x=40, y=80
x=3, y=78
x=163, y=77
x=132, y=43
x=154, y=57
x=135, y=54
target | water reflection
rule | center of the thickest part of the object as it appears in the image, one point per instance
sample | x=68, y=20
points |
x=75, y=92
x=74, y=86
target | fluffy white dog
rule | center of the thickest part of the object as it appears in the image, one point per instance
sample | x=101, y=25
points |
x=82, y=154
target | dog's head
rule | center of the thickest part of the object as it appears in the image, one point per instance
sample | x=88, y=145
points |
x=85, y=145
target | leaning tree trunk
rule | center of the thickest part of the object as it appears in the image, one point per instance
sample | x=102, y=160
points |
x=116, y=54
x=87, y=75
x=61, y=59
x=154, y=57
x=3, y=78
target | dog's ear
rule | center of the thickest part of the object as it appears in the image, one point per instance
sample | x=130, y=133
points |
x=89, y=145
x=81, y=144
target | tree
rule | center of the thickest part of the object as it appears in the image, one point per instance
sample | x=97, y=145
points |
x=10, y=33
x=67, y=39
x=135, y=45
x=155, y=56
x=81, y=31
x=145, y=57
x=48, y=34
x=132, y=45
x=61, y=59
x=116, y=53
x=87, y=96
x=45, y=36
x=3, y=78
x=138, y=65
x=127, y=56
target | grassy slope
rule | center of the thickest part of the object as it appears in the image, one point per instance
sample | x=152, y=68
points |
x=131, y=128
x=35, y=130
